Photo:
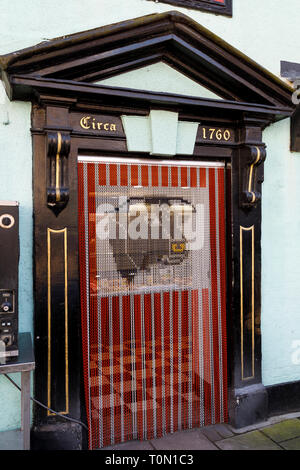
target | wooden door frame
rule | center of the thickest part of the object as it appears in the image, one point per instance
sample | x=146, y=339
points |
x=54, y=122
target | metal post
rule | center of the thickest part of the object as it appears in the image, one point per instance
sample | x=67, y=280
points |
x=25, y=409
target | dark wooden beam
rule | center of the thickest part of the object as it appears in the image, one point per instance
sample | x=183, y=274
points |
x=204, y=5
x=171, y=37
x=290, y=70
x=27, y=86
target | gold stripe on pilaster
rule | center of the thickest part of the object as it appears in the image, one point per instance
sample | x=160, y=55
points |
x=66, y=356
x=57, y=171
x=247, y=229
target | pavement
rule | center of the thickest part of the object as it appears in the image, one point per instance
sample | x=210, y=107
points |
x=278, y=433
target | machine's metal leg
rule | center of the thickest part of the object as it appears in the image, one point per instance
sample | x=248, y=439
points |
x=25, y=409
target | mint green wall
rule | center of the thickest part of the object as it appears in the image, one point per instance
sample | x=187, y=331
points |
x=160, y=133
x=159, y=77
x=16, y=185
x=281, y=258
x=263, y=30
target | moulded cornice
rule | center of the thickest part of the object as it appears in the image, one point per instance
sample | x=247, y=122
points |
x=172, y=37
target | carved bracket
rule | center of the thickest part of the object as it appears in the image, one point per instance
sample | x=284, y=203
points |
x=58, y=149
x=250, y=176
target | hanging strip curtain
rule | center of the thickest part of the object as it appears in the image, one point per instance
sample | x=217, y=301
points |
x=153, y=300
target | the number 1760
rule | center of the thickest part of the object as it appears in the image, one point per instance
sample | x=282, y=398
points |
x=219, y=134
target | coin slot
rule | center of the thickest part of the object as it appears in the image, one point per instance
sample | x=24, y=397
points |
x=7, y=221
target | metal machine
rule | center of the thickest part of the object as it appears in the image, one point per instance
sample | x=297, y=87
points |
x=164, y=249
x=9, y=267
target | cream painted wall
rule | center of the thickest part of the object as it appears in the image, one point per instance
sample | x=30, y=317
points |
x=266, y=31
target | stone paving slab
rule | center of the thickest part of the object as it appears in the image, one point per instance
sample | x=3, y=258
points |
x=284, y=434
x=211, y=433
x=223, y=430
x=277, y=436
x=292, y=444
x=283, y=431
x=254, y=440
x=186, y=440
x=263, y=424
x=11, y=440
x=131, y=445
x=217, y=432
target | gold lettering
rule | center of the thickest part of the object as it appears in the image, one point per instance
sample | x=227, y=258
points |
x=212, y=131
x=216, y=134
x=87, y=122
x=227, y=134
x=219, y=134
x=84, y=122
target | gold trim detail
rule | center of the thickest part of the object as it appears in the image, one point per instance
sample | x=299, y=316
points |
x=57, y=175
x=65, y=234
x=250, y=189
x=247, y=229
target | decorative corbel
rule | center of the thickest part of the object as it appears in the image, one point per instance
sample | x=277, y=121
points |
x=253, y=156
x=58, y=149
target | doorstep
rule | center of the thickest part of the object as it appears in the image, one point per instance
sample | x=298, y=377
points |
x=11, y=440
x=278, y=433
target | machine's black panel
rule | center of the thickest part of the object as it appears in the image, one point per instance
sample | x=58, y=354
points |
x=9, y=262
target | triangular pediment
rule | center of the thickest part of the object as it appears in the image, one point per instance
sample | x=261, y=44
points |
x=174, y=39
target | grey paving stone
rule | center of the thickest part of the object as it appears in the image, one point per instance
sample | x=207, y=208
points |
x=254, y=440
x=264, y=424
x=131, y=445
x=11, y=440
x=187, y=440
x=211, y=433
x=223, y=430
x=283, y=431
x=293, y=444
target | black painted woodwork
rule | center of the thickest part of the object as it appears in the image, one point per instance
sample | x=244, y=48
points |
x=171, y=37
x=290, y=70
x=211, y=6
x=295, y=130
x=106, y=97
x=283, y=398
x=57, y=184
x=57, y=77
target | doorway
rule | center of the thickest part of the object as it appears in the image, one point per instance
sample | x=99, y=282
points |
x=153, y=299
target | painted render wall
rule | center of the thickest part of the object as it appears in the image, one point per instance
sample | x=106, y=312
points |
x=16, y=185
x=261, y=30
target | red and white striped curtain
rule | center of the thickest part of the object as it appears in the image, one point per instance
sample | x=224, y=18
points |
x=153, y=311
